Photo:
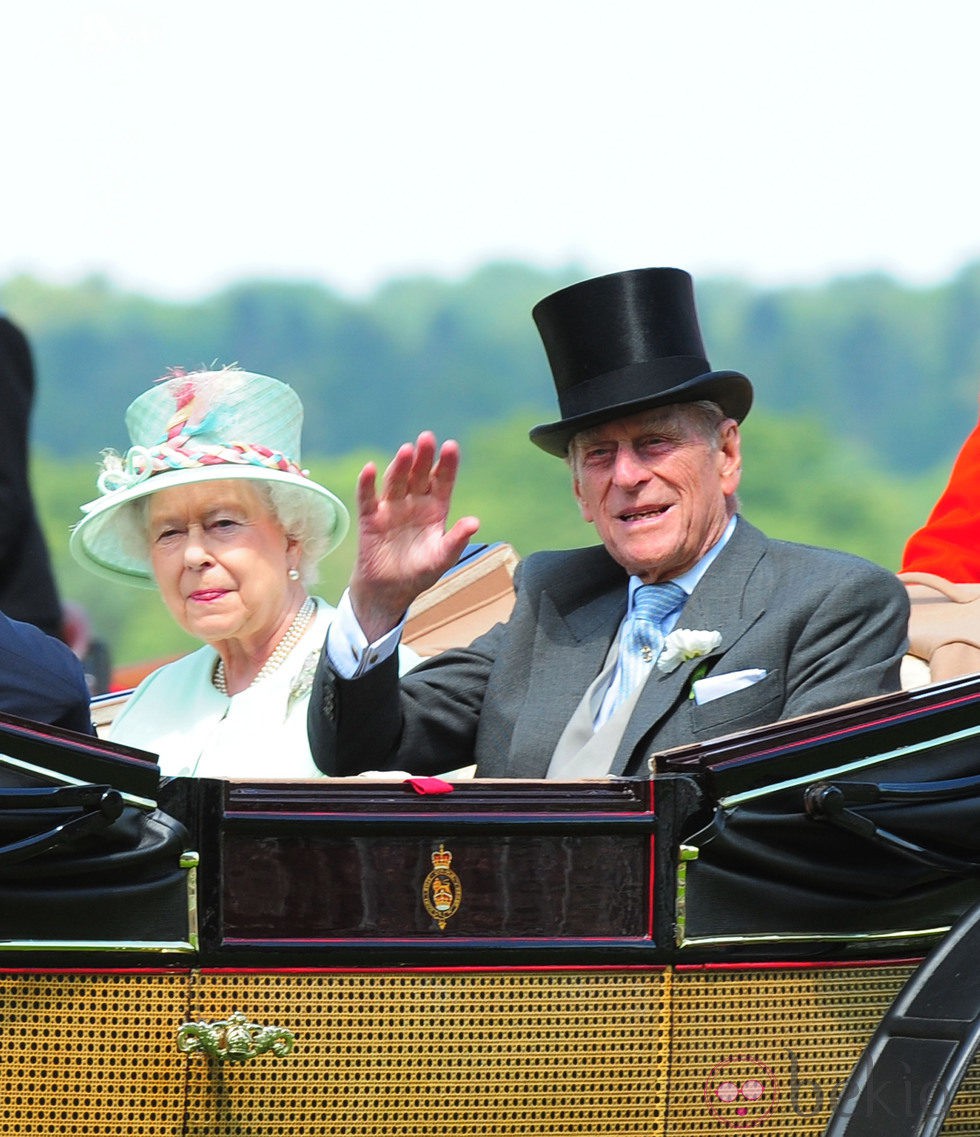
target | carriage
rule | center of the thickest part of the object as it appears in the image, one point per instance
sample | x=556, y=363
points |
x=775, y=933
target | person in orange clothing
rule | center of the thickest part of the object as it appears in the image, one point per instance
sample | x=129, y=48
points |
x=941, y=573
x=949, y=542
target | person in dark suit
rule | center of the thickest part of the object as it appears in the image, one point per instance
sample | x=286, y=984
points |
x=27, y=585
x=41, y=678
x=750, y=630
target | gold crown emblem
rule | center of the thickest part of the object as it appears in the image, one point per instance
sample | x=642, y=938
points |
x=442, y=892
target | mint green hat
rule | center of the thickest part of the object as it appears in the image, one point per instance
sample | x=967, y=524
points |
x=195, y=427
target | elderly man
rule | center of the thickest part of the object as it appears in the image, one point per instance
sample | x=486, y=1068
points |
x=685, y=623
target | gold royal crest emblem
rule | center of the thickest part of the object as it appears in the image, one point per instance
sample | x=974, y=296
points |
x=442, y=891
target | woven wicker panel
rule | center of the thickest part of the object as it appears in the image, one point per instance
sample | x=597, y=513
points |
x=789, y=1037
x=508, y=1053
x=437, y=1053
x=91, y=1054
x=964, y=1115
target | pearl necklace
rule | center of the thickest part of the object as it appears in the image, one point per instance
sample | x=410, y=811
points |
x=294, y=634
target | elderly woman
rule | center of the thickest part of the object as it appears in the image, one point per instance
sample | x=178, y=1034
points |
x=211, y=506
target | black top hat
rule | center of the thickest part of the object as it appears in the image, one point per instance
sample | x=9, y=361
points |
x=624, y=342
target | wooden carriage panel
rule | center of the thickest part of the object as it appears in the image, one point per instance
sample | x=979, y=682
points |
x=341, y=863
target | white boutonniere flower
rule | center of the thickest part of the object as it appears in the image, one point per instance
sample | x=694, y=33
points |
x=684, y=643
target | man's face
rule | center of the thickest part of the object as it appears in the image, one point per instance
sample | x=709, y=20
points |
x=656, y=487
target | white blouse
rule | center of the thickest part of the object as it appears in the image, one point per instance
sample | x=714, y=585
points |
x=260, y=733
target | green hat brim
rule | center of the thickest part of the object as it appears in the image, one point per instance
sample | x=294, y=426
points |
x=97, y=543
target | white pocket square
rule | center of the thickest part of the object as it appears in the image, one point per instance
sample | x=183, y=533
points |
x=715, y=686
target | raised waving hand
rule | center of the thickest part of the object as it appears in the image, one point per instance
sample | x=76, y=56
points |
x=403, y=543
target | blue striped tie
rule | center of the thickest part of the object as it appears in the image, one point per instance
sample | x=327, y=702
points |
x=643, y=637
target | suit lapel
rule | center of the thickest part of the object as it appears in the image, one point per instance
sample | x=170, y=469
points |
x=718, y=603
x=571, y=641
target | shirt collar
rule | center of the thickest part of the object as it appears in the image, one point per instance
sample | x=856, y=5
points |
x=689, y=580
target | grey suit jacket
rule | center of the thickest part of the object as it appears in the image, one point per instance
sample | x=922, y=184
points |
x=827, y=627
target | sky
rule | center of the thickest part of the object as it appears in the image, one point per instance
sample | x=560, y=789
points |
x=179, y=146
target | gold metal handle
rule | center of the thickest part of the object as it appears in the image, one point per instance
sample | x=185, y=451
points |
x=234, y=1039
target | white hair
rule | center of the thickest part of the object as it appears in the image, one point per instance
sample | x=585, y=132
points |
x=705, y=418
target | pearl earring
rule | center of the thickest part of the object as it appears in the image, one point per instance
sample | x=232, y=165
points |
x=293, y=574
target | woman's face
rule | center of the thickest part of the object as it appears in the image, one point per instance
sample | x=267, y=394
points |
x=221, y=559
